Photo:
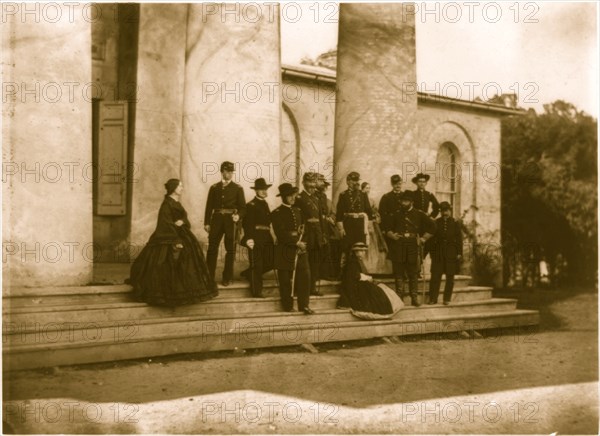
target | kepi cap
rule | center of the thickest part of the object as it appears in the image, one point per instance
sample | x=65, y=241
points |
x=444, y=205
x=354, y=176
x=227, y=166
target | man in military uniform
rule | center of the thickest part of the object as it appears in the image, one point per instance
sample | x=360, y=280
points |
x=407, y=229
x=225, y=206
x=389, y=204
x=291, y=260
x=446, y=253
x=423, y=198
x=329, y=269
x=309, y=204
x=257, y=237
x=353, y=213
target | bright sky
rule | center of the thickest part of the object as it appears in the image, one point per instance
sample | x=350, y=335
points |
x=472, y=49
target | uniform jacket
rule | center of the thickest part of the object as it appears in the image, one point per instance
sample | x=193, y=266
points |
x=388, y=205
x=422, y=200
x=409, y=221
x=311, y=208
x=447, y=241
x=224, y=197
x=257, y=214
x=352, y=202
x=286, y=223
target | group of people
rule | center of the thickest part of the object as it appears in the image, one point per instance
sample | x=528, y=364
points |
x=311, y=242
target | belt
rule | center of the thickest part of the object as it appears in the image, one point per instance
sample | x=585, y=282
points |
x=354, y=215
x=408, y=235
x=313, y=220
x=259, y=227
x=225, y=211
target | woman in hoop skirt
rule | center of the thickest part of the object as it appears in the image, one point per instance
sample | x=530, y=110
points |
x=171, y=269
x=366, y=298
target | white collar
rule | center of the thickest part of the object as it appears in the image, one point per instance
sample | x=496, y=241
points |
x=286, y=205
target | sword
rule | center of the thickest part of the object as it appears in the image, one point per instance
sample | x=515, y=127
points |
x=421, y=249
x=301, y=228
x=252, y=290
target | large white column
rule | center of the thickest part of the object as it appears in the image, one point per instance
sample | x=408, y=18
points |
x=232, y=104
x=158, y=124
x=46, y=144
x=375, y=122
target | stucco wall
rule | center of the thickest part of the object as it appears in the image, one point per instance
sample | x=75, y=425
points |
x=47, y=150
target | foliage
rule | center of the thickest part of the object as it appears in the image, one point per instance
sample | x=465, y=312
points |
x=549, y=186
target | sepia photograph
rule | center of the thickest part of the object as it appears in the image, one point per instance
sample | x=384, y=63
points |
x=300, y=217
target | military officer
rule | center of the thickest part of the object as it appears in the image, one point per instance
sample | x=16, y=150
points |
x=331, y=249
x=353, y=213
x=446, y=253
x=257, y=237
x=310, y=205
x=290, y=251
x=389, y=204
x=225, y=206
x=407, y=229
x=423, y=198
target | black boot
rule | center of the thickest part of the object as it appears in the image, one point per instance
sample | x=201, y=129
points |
x=414, y=300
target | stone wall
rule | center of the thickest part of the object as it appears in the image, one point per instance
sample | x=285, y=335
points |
x=312, y=106
x=476, y=136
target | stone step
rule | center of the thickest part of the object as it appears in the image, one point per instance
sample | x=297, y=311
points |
x=59, y=296
x=470, y=293
x=123, y=311
x=42, y=355
x=32, y=332
x=221, y=305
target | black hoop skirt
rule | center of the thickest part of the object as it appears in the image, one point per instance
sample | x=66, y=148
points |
x=164, y=275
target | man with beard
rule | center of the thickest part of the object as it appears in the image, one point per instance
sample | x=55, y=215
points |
x=330, y=264
x=353, y=213
x=309, y=204
x=257, y=237
x=423, y=198
x=407, y=229
x=291, y=260
x=446, y=253
x=389, y=204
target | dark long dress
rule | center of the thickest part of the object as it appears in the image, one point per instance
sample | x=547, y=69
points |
x=164, y=275
x=367, y=299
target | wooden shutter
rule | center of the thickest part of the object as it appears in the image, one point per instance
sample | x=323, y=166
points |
x=112, y=158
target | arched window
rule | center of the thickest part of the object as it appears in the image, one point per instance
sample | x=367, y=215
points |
x=448, y=177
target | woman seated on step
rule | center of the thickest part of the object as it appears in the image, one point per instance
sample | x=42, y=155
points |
x=366, y=298
x=171, y=269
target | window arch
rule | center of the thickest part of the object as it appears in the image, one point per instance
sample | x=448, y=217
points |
x=290, y=147
x=448, y=176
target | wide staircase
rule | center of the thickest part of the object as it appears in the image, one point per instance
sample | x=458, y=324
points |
x=74, y=325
